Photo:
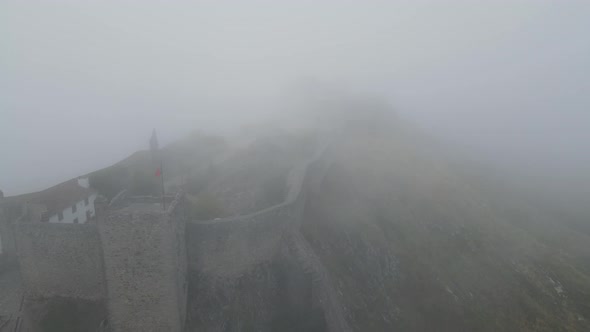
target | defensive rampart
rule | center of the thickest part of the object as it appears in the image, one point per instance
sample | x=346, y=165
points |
x=137, y=256
x=228, y=247
x=8, y=214
x=60, y=260
x=145, y=266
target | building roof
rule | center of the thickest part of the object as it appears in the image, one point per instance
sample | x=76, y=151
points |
x=56, y=198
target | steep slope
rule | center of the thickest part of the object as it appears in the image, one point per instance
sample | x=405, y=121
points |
x=411, y=244
x=222, y=177
x=253, y=177
x=136, y=172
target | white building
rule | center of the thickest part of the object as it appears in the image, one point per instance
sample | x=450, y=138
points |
x=77, y=205
x=79, y=212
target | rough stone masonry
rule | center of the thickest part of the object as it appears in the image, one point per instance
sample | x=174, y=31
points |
x=136, y=257
x=145, y=267
x=133, y=259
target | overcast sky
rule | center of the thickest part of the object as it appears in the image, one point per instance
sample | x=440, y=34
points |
x=82, y=85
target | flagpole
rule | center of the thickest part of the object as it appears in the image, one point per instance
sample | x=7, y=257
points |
x=163, y=190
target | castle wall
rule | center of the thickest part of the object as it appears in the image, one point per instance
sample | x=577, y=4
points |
x=137, y=257
x=60, y=260
x=179, y=214
x=226, y=253
x=7, y=240
x=230, y=247
x=7, y=243
x=145, y=267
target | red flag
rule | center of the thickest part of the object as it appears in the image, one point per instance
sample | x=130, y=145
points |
x=158, y=171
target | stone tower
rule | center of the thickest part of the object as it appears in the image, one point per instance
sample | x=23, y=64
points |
x=145, y=264
x=7, y=242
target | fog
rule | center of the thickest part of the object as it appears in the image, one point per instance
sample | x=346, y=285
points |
x=82, y=85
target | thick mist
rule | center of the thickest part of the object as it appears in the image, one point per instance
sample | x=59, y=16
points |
x=83, y=85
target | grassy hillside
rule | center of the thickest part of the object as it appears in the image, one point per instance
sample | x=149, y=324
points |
x=414, y=244
x=221, y=178
x=254, y=177
x=136, y=173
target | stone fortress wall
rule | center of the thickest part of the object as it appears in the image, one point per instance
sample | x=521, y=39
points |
x=137, y=257
x=7, y=240
x=60, y=260
x=145, y=266
x=133, y=259
x=228, y=248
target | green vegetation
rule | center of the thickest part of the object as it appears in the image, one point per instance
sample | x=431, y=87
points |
x=109, y=181
x=199, y=181
x=136, y=172
x=464, y=258
x=205, y=207
x=274, y=189
x=144, y=183
x=196, y=184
